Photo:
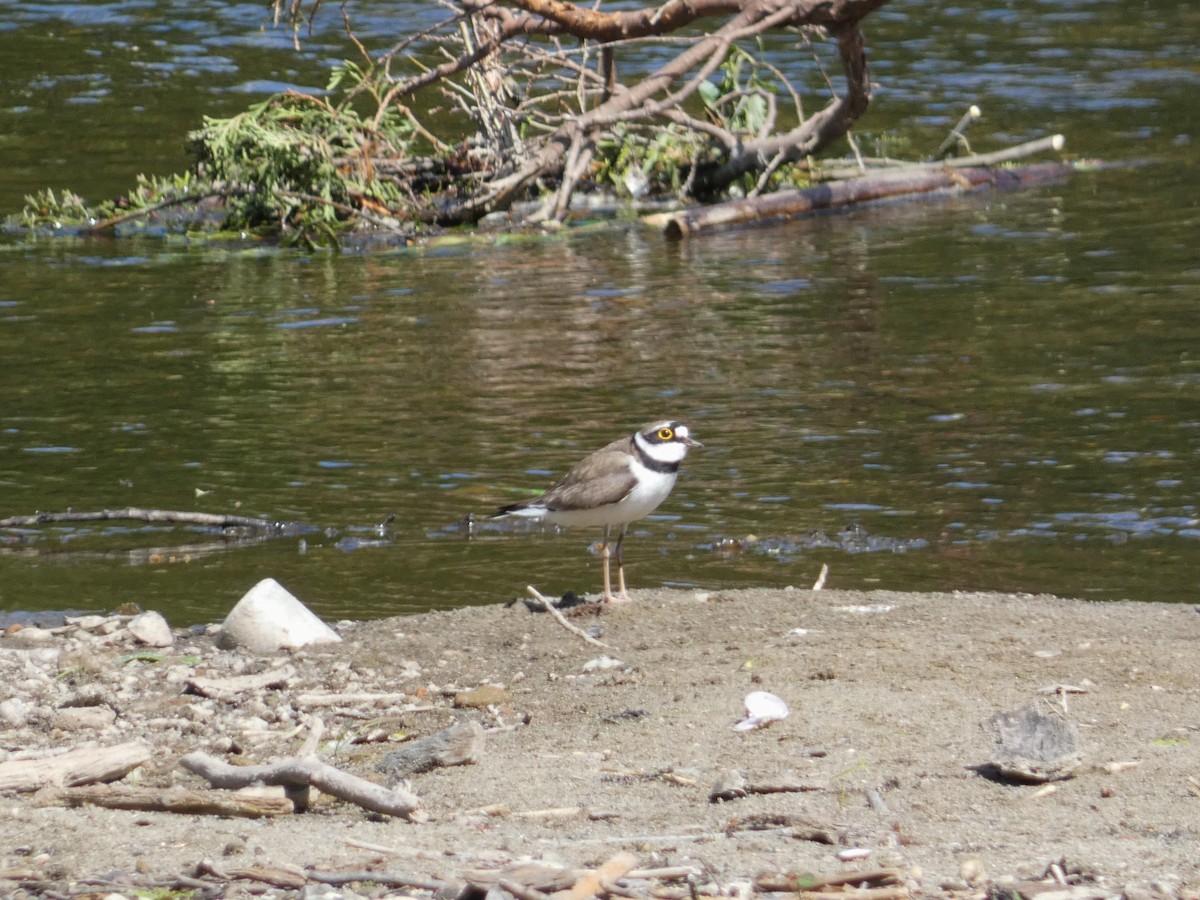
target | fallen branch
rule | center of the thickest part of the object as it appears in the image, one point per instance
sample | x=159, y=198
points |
x=237, y=684
x=169, y=800
x=133, y=513
x=888, y=185
x=1052, y=143
x=561, y=619
x=85, y=765
x=302, y=772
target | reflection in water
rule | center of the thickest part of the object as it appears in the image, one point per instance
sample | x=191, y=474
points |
x=911, y=420
x=988, y=393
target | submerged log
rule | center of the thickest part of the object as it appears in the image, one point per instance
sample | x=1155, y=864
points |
x=874, y=187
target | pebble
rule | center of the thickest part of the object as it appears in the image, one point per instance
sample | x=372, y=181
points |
x=602, y=664
x=482, y=697
x=151, y=629
x=14, y=712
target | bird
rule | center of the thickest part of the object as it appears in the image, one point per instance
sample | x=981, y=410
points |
x=618, y=484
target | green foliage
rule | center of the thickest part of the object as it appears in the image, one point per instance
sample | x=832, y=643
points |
x=299, y=163
x=45, y=210
x=294, y=164
x=738, y=102
x=662, y=157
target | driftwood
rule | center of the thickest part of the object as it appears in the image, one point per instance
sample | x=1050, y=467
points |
x=886, y=185
x=136, y=514
x=170, y=800
x=237, y=684
x=85, y=765
x=458, y=745
x=795, y=883
x=561, y=619
x=287, y=878
x=732, y=785
x=299, y=774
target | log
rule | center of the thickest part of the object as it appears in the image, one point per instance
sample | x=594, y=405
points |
x=170, y=800
x=297, y=775
x=133, y=513
x=874, y=187
x=237, y=684
x=84, y=765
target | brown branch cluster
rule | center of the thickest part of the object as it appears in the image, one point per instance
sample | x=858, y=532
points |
x=539, y=81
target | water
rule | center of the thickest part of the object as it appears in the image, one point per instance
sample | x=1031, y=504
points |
x=994, y=392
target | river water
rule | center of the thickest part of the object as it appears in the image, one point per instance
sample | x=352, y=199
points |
x=996, y=392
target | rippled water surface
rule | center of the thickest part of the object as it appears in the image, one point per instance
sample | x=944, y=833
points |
x=994, y=392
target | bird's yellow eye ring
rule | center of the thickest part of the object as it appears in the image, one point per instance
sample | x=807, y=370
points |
x=666, y=434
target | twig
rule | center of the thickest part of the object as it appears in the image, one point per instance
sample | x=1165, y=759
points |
x=1053, y=142
x=561, y=619
x=957, y=134
x=386, y=223
x=820, y=582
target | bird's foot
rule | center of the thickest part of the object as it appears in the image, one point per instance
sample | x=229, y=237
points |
x=619, y=597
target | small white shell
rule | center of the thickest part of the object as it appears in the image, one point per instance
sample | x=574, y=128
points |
x=762, y=708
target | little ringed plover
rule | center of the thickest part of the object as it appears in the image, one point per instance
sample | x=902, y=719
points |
x=616, y=485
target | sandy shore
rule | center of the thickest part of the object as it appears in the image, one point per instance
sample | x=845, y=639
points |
x=592, y=752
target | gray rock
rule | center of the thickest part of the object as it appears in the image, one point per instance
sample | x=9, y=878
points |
x=1033, y=746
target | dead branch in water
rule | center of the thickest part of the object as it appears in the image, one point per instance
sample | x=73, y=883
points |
x=538, y=81
x=136, y=514
x=873, y=187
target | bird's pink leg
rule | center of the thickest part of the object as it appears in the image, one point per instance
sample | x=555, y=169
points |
x=605, y=553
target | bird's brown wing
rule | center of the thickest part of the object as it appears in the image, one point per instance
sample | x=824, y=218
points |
x=590, y=492
x=598, y=479
x=587, y=486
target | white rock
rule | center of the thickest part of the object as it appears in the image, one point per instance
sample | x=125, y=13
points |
x=268, y=618
x=602, y=663
x=151, y=628
x=15, y=712
x=33, y=633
